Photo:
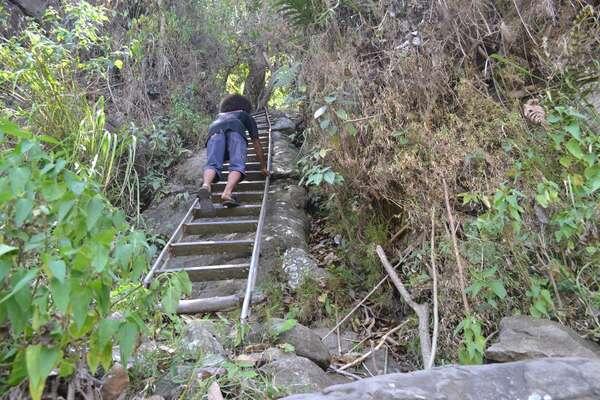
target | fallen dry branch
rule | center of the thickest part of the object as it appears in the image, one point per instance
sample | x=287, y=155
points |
x=214, y=304
x=461, y=273
x=404, y=257
x=368, y=353
x=435, y=295
x=421, y=310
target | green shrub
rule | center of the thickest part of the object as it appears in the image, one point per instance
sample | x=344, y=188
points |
x=63, y=249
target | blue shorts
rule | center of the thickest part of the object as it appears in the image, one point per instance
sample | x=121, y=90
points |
x=226, y=146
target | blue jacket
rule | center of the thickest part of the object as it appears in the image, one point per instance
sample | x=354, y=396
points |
x=236, y=121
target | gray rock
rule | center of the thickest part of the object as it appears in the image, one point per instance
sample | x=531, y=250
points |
x=284, y=125
x=347, y=340
x=299, y=265
x=285, y=155
x=163, y=217
x=543, y=379
x=200, y=340
x=306, y=343
x=380, y=363
x=297, y=375
x=523, y=337
x=32, y=8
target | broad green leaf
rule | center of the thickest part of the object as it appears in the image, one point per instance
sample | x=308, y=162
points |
x=329, y=177
x=4, y=268
x=574, y=130
x=574, y=148
x=320, y=112
x=93, y=212
x=498, y=288
x=329, y=99
x=282, y=327
x=28, y=277
x=127, y=337
x=74, y=184
x=99, y=257
x=64, y=208
x=106, y=330
x=342, y=114
x=58, y=269
x=170, y=299
x=60, y=294
x=10, y=128
x=80, y=301
x=118, y=63
x=23, y=208
x=40, y=362
x=5, y=249
x=19, y=177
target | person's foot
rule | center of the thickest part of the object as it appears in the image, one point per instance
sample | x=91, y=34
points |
x=229, y=201
x=206, y=205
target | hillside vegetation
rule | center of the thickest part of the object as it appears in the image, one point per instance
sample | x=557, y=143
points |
x=460, y=136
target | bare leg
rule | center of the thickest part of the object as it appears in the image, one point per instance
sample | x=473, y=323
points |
x=208, y=177
x=232, y=180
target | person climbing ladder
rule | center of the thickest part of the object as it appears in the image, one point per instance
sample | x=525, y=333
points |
x=227, y=141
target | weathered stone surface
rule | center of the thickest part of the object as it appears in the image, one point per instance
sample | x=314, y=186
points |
x=523, y=337
x=299, y=265
x=297, y=374
x=284, y=125
x=542, y=379
x=32, y=8
x=115, y=383
x=200, y=340
x=306, y=343
x=347, y=340
x=285, y=155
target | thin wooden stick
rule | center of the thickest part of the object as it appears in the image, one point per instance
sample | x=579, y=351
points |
x=421, y=310
x=435, y=295
x=214, y=304
x=461, y=274
x=374, y=349
x=345, y=373
x=404, y=257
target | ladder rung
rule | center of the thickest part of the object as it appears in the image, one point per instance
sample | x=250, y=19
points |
x=199, y=228
x=211, y=247
x=251, y=175
x=241, y=196
x=242, y=186
x=214, y=272
x=241, y=211
x=250, y=166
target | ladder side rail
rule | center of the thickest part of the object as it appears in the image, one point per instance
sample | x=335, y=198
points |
x=165, y=254
x=257, y=241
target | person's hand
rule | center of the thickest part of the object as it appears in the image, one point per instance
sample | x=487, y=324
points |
x=264, y=172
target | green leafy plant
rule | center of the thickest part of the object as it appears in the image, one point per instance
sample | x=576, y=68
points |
x=472, y=348
x=63, y=249
x=541, y=299
x=487, y=284
x=301, y=12
x=314, y=173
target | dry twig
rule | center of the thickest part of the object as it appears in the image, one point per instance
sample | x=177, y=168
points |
x=368, y=353
x=421, y=310
x=435, y=299
x=461, y=273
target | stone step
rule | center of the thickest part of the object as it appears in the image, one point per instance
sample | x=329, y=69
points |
x=243, y=210
x=250, y=166
x=212, y=247
x=202, y=228
x=214, y=272
x=241, y=187
x=252, y=175
x=246, y=197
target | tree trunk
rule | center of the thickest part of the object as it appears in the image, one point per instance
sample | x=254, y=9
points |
x=255, y=82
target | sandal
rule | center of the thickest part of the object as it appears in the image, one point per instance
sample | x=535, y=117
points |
x=230, y=202
x=206, y=206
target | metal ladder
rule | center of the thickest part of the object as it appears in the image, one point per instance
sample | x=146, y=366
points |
x=246, y=219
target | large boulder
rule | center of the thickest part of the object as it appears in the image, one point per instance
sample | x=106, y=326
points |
x=285, y=156
x=523, y=337
x=284, y=125
x=32, y=8
x=199, y=340
x=542, y=379
x=297, y=374
x=306, y=343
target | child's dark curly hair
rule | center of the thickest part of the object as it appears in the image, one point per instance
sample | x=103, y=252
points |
x=234, y=102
